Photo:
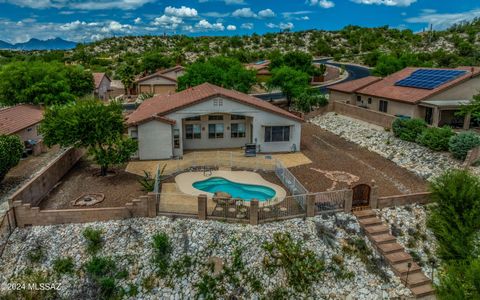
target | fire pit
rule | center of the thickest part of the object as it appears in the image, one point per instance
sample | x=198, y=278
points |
x=89, y=199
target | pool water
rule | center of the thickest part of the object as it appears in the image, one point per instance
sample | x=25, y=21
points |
x=244, y=191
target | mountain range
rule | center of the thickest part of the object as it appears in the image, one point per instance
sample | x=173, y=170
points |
x=36, y=44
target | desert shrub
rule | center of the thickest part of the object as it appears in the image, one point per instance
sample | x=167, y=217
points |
x=359, y=248
x=408, y=129
x=36, y=254
x=162, y=249
x=102, y=271
x=63, y=265
x=11, y=150
x=32, y=278
x=301, y=265
x=463, y=142
x=455, y=217
x=435, y=138
x=147, y=182
x=94, y=239
x=460, y=280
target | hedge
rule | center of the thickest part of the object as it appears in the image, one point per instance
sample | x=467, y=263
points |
x=11, y=150
x=435, y=138
x=408, y=129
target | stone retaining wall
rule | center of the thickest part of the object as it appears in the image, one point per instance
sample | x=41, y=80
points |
x=37, y=187
x=26, y=215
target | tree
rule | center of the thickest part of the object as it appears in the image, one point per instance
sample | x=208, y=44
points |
x=90, y=124
x=222, y=71
x=11, y=150
x=290, y=81
x=127, y=76
x=309, y=99
x=472, y=108
x=40, y=82
x=153, y=61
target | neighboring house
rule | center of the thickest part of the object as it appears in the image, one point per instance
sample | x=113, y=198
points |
x=435, y=95
x=102, y=85
x=262, y=68
x=210, y=117
x=21, y=120
x=162, y=82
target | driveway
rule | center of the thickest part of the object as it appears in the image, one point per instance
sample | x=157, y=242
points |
x=337, y=163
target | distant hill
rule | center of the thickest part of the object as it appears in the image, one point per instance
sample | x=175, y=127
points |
x=36, y=44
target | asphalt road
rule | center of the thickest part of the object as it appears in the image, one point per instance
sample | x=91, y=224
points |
x=354, y=72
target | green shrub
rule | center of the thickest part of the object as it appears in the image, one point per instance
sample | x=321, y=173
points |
x=463, y=142
x=408, y=129
x=98, y=267
x=103, y=272
x=37, y=254
x=301, y=265
x=11, y=150
x=435, y=138
x=94, y=239
x=63, y=265
x=32, y=278
x=162, y=249
x=455, y=217
x=460, y=280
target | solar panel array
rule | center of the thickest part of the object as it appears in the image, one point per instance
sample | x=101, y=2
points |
x=429, y=79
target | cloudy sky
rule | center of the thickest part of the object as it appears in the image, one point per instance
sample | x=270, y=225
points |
x=89, y=20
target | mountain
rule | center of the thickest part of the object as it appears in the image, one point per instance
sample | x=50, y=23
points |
x=36, y=44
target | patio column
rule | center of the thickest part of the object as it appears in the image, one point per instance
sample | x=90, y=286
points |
x=374, y=195
x=254, y=212
x=348, y=199
x=436, y=117
x=202, y=207
x=466, y=121
x=310, y=206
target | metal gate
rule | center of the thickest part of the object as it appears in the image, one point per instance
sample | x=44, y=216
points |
x=361, y=195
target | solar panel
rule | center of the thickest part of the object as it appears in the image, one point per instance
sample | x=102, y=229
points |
x=429, y=79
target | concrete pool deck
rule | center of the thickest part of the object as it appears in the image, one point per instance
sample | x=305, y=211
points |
x=185, y=182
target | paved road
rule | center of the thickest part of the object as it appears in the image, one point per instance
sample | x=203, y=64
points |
x=354, y=72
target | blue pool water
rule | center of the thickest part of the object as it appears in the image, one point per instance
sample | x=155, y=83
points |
x=237, y=190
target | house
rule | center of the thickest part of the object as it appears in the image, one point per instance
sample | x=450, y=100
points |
x=263, y=69
x=435, y=95
x=102, y=85
x=161, y=82
x=21, y=120
x=210, y=117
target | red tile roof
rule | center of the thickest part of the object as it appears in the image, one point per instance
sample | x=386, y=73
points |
x=164, y=104
x=13, y=119
x=97, y=78
x=354, y=85
x=387, y=89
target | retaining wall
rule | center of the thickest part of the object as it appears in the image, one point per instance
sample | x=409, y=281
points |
x=400, y=200
x=364, y=114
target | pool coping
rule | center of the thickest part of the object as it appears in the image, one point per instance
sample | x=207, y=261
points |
x=186, y=180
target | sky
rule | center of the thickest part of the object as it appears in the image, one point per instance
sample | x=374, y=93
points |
x=90, y=20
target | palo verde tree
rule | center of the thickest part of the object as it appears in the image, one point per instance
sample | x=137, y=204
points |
x=90, y=124
x=11, y=150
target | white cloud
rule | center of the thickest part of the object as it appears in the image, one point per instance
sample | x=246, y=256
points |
x=79, y=4
x=204, y=25
x=442, y=21
x=244, y=13
x=237, y=2
x=231, y=27
x=296, y=15
x=182, y=12
x=321, y=3
x=248, y=26
x=138, y=20
x=386, y=2
x=215, y=14
x=115, y=26
x=167, y=22
x=266, y=13
x=283, y=26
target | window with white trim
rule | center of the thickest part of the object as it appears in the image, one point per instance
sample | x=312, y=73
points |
x=277, y=134
x=193, y=131
x=215, y=131
x=238, y=130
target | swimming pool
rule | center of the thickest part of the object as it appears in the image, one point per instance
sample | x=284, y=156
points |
x=244, y=191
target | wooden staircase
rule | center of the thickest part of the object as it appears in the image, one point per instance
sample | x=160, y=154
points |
x=400, y=261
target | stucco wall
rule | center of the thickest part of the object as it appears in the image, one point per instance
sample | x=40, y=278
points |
x=174, y=73
x=342, y=97
x=155, y=140
x=102, y=91
x=364, y=114
x=393, y=108
x=157, y=80
x=464, y=91
x=30, y=133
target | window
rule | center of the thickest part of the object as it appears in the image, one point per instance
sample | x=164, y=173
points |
x=196, y=118
x=134, y=134
x=383, y=106
x=237, y=117
x=176, y=138
x=215, y=118
x=193, y=131
x=238, y=130
x=369, y=100
x=215, y=131
x=277, y=133
x=217, y=102
x=359, y=98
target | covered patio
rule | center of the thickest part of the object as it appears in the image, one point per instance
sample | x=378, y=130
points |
x=439, y=113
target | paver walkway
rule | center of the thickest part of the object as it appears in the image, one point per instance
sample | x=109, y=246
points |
x=400, y=261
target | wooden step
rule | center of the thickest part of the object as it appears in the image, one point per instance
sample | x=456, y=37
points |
x=369, y=221
x=377, y=229
x=398, y=257
x=415, y=279
x=389, y=248
x=364, y=214
x=401, y=269
x=423, y=291
x=383, y=239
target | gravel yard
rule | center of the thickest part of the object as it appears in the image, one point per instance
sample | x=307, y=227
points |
x=128, y=243
x=336, y=163
x=83, y=178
